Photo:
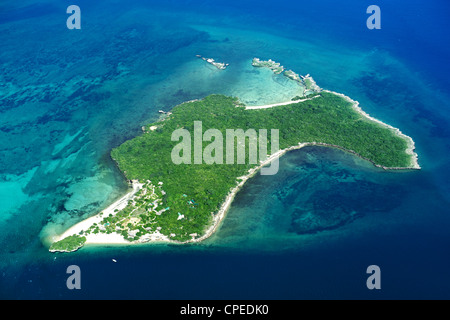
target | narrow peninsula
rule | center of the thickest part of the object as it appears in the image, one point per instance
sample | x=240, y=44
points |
x=183, y=203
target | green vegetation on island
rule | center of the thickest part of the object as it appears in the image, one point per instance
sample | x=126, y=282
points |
x=69, y=244
x=137, y=218
x=196, y=191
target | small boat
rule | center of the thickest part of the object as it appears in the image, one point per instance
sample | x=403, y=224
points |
x=114, y=260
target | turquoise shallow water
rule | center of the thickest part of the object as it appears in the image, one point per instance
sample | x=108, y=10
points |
x=308, y=232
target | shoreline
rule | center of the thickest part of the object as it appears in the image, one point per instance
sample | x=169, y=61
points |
x=220, y=216
x=410, y=150
x=157, y=237
x=267, y=106
x=83, y=225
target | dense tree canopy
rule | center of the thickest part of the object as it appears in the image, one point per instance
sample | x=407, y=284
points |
x=328, y=119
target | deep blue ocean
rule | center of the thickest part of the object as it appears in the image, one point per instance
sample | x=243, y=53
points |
x=67, y=97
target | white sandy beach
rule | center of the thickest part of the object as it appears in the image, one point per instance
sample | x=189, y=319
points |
x=267, y=106
x=100, y=238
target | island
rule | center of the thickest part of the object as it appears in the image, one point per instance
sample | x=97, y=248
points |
x=183, y=203
x=218, y=65
x=276, y=67
x=307, y=82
